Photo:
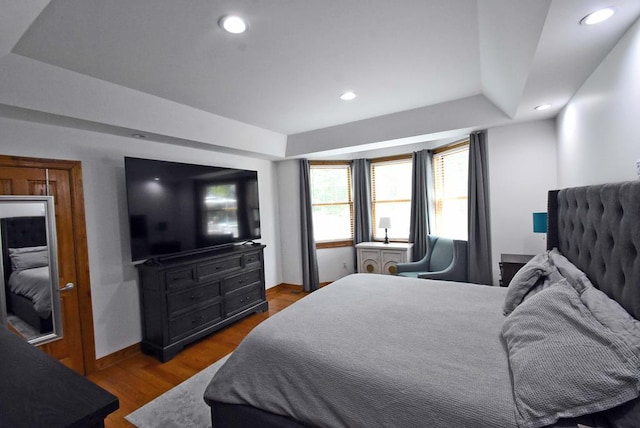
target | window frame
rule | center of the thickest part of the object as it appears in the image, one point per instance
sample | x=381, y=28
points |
x=438, y=203
x=206, y=211
x=340, y=242
x=387, y=159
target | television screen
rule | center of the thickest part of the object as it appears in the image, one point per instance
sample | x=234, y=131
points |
x=180, y=208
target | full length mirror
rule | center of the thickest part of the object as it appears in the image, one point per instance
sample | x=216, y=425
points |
x=29, y=296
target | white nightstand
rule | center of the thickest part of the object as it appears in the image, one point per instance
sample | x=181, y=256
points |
x=377, y=257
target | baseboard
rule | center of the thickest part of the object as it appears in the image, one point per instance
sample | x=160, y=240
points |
x=116, y=357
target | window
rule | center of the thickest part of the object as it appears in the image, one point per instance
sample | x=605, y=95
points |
x=450, y=173
x=391, y=196
x=221, y=210
x=331, y=203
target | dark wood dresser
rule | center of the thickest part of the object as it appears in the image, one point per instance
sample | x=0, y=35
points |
x=186, y=298
x=38, y=391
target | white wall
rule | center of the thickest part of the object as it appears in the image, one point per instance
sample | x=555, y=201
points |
x=334, y=263
x=331, y=260
x=522, y=168
x=113, y=277
x=288, y=182
x=598, y=130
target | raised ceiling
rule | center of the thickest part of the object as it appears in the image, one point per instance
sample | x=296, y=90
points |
x=413, y=63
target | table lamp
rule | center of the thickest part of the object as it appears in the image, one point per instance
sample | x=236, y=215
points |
x=385, y=223
x=539, y=222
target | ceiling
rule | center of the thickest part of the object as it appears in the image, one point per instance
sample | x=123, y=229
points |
x=413, y=63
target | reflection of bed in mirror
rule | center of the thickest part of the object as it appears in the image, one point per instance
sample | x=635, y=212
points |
x=26, y=272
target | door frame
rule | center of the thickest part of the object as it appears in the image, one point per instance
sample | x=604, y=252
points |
x=83, y=284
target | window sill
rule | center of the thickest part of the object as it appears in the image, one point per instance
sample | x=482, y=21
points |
x=334, y=244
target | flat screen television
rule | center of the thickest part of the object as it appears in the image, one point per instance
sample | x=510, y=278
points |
x=177, y=208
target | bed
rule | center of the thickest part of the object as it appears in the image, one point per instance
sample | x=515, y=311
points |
x=26, y=270
x=559, y=347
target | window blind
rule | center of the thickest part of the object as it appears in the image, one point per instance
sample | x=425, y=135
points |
x=391, y=196
x=331, y=201
x=450, y=174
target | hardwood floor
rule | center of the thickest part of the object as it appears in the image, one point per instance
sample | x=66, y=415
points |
x=140, y=378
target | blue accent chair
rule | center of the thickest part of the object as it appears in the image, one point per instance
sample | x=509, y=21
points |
x=446, y=259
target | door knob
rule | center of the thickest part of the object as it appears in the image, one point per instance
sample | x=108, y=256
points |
x=69, y=286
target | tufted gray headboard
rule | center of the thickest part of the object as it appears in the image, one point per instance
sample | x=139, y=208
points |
x=598, y=229
x=18, y=232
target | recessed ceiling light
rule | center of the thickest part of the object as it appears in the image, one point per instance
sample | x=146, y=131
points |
x=233, y=24
x=542, y=107
x=598, y=16
x=348, y=96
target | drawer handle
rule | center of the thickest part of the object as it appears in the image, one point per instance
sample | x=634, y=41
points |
x=196, y=296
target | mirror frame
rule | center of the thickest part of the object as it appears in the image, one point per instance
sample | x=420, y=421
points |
x=54, y=280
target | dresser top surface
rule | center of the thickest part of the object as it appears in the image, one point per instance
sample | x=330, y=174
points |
x=190, y=259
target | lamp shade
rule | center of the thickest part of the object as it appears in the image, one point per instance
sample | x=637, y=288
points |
x=539, y=222
x=385, y=223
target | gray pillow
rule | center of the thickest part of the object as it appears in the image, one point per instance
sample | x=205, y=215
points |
x=571, y=353
x=28, y=258
x=575, y=276
x=529, y=278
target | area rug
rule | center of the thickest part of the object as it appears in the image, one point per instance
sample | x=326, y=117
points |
x=181, y=406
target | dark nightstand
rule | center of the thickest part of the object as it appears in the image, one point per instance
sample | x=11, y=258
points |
x=38, y=391
x=509, y=265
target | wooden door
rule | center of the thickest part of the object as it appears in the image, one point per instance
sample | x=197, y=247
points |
x=29, y=177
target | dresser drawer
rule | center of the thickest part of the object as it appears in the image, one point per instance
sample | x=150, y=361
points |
x=252, y=258
x=192, y=296
x=215, y=267
x=242, y=298
x=180, y=277
x=182, y=326
x=234, y=282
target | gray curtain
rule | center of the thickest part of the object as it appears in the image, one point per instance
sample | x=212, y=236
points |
x=421, y=211
x=361, y=177
x=479, y=257
x=310, y=278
